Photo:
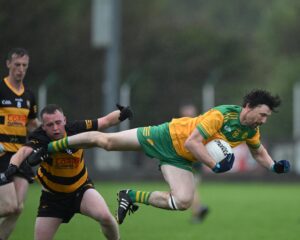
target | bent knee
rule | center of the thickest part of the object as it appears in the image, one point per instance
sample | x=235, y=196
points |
x=183, y=203
x=106, y=219
x=12, y=210
x=18, y=209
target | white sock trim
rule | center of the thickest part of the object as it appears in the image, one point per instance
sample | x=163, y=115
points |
x=172, y=203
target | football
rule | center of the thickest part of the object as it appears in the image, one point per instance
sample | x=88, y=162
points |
x=218, y=149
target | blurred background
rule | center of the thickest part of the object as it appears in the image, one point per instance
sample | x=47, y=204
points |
x=154, y=55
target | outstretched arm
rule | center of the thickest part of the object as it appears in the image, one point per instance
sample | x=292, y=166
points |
x=114, y=117
x=262, y=156
x=109, y=120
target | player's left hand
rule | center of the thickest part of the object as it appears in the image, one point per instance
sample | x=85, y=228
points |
x=125, y=112
x=282, y=166
x=224, y=165
x=37, y=156
x=6, y=177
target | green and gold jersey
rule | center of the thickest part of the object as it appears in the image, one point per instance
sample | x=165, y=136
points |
x=16, y=108
x=220, y=122
x=62, y=172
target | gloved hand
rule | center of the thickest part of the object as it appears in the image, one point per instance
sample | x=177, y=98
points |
x=282, y=166
x=125, y=112
x=224, y=165
x=37, y=156
x=6, y=177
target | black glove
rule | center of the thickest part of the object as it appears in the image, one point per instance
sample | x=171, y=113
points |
x=37, y=156
x=224, y=165
x=125, y=112
x=6, y=177
x=282, y=166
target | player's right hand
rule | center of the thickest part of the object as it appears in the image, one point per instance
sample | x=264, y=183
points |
x=37, y=156
x=125, y=112
x=282, y=166
x=6, y=177
x=224, y=165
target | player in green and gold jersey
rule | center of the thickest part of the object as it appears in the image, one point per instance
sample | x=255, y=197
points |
x=179, y=143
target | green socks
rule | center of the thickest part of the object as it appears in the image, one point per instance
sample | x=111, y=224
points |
x=139, y=196
x=57, y=146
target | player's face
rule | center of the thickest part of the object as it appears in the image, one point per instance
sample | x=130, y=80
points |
x=54, y=125
x=257, y=116
x=17, y=67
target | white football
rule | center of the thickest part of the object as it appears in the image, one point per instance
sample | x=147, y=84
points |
x=218, y=149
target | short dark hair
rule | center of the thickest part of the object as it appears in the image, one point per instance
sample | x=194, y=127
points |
x=18, y=51
x=257, y=97
x=50, y=109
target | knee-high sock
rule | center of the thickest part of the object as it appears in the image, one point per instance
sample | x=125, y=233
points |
x=139, y=196
x=57, y=146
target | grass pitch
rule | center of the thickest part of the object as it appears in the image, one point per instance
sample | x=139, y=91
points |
x=247, y=211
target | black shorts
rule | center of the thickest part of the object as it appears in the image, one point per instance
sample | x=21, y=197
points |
x=24, y=171
x=59, y=205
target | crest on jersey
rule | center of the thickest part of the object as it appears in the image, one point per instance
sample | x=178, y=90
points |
x=227, y=128
x=69, y=151
x=19, y=102
x=245, y=135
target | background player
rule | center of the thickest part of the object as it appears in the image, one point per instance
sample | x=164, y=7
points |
x=18, y=114
x=199, y=210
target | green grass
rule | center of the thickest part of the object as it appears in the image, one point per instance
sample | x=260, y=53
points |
x=238, y=211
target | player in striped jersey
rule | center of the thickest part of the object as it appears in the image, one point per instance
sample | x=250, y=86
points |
x=66, y=186
x=18, y=112
x=179, y=143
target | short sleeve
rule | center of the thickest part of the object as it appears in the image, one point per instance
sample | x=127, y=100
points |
x=33, y=106
x=82, y=126
x=211, y=122
x=254, y=142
